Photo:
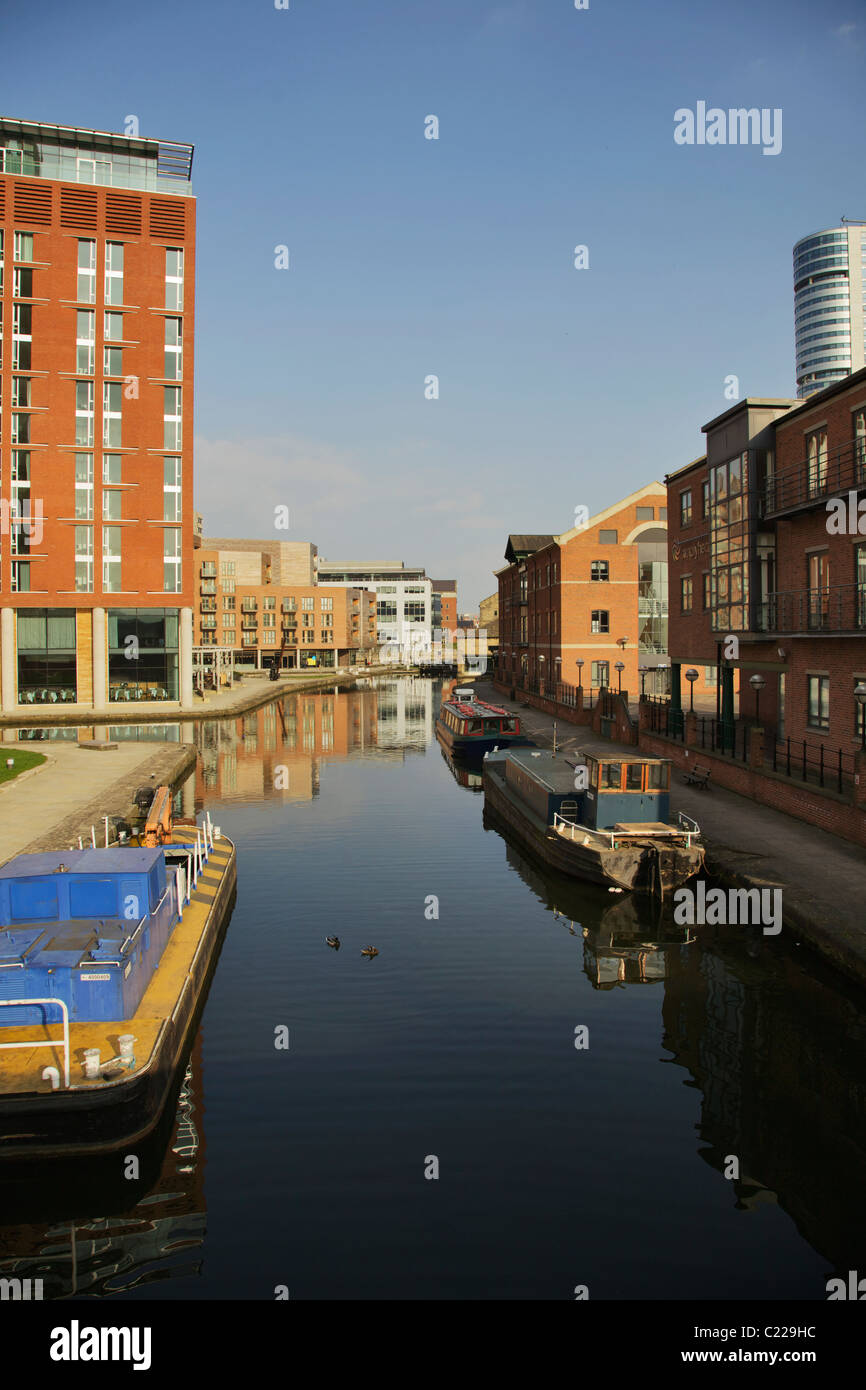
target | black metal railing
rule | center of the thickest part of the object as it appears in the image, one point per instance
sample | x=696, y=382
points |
x=829, y=608
x=813, y=480
x=730, y=738
x=814, y=763
x=663, y=719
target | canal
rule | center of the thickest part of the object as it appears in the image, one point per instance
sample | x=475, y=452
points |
x=708, y=1142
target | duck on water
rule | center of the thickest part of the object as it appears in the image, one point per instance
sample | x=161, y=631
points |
x=597, y=817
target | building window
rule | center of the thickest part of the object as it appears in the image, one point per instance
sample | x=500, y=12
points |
x=84, y=487
x=706, y=589
x=307, y=620
x=112, y=401
x=686, y=593
x=111, y=505
x=269, y=639
x=269, y=603
x=111, y=468
x=171, y=489
x=600, y=622
x=269, y=620
x=663, y=513
x=711, y=676
x=171, y=415
x=705, y=499
x=20, y=577
x=230, y=636
x=816, y=454
x=327, y=620
x=23, y=246
x=86, y=293
x=227, y=569
x=20, y=429
x=645, y=513
x=686, y=507
x=85, y=341
x=599, y=571
x=84, y=559
x=859, y=710
x=327, y=605
x=84, y=412
x=819, y=588
x=860, y=445
x=112, y=361
x=22, y=337
x=307, y=604
x=173, y=349
x=111, y=559
x=607, y=537
x=600, y=673
x=113, y=272
x=819, y=702
x=148, y=667
x=171, y=553
x=229, y=602
x=113, y=326
x=173, y=279
x=46, y=654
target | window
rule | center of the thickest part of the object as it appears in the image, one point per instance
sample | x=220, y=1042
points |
x=816, y=453
x=22, y=337
x=84, y=412
x=20, y=577
x=600, y=673
x=171, y=489
x=859, y=711
x=611, y=776
x=633, y=777
x=686, y=507
x=269, y=619
x=711, y=676
x=171, y=559
x=22, y=283
x=663, y=513
x=84, y=487
x=111, y=559
x=307, y=620
x=269, y=639
x=113, y=327
x=111, y=468
x=819, y=588
x=860, y=445
x=327, y=605
x=230, y=636
x=686, y=593
x=819, y=702
x=600, y=621
x=173, y=278
x=85, y=341
x=114, y=272
x=227, y=568
x=269, y=602
x=174, y=349
x=327, y=620
x=307, y=604
x=706, y=589
x=112, y=400
x=599, y=571
x=172, y=423
x=20, y=392
x=111, y=506
x=645, y=513
x=84, y=559
x=112, y=361
x=705, y=499
x=23, y=246
x=229, y=601
x=607, y=537
x=86, y=292
x=20, y=429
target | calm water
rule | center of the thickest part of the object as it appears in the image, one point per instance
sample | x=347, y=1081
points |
x=557, y=1166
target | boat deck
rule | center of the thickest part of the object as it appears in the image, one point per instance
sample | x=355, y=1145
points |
x=21, y=1068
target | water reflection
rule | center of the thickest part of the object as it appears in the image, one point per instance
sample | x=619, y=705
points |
x=465, y=774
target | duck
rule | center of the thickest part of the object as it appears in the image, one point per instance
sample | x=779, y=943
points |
x=333, y=941
x=369, y=951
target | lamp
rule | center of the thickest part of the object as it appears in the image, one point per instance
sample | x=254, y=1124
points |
x=860, y=697
x=691, y=676
x=619, y=668
x=757, y=683
x=643, y=674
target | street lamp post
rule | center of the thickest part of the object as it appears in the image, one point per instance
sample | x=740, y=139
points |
x=619, y=668
x=579, y=665
x=691, y=676
x=757, y=683
x=860, y=697
x=541, y=672
x=643, y=673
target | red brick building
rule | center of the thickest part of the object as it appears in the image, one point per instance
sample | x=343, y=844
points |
x=97, y=239
x=595, y=595
x=765, y=530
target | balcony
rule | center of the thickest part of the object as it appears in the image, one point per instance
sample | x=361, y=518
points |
x=208, y=586
x=208, y=569
x=839, y=608
x=249, y=620
x=249, y=605
x=289, y=606
x=208, y=605
x=810, y=483
x=208, y=622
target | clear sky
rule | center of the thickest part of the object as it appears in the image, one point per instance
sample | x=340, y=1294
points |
x=411, y=257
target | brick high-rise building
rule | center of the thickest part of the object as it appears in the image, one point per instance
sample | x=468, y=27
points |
x=97, y=235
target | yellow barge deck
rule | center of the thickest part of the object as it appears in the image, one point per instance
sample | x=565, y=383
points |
x=119, y=1106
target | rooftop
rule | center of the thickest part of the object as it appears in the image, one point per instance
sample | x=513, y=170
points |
x=76, y=154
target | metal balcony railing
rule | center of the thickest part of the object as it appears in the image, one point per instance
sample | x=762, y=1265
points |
x=814, y=480
x=834, y=608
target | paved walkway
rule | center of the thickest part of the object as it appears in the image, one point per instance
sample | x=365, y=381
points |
x=823, y=878
x=52, y=804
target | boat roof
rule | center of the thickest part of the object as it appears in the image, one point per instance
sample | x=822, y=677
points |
x=551, y=770
x=82, y=861
x=477, y=707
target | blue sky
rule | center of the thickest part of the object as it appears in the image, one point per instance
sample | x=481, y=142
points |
x=454, y=257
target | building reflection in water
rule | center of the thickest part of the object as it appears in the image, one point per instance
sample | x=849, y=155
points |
x=276, y=750
x=102, y=1245
x=774, y=1044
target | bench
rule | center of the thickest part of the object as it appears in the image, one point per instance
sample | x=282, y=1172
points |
x=698, y=775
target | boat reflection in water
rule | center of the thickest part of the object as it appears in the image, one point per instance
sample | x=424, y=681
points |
x=466, y=774
x=100, y=1242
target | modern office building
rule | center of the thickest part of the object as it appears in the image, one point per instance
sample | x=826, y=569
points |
x=571, y=607
x=404, y=600
x=444, y=605
x=829, y=306
x=97, y=237
x=259, y=600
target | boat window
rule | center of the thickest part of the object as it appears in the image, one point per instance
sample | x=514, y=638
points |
x=657, y=777
x=476, y=726
x=464, y=727
x=509, y=726
x=611, y=776
x=491, y=726
x=593, y=773
x=633, y=773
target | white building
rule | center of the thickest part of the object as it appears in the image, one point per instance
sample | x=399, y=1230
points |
x=829, y=306
x=404, y=601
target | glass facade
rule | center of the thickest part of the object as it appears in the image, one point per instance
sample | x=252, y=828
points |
x=80, y=156
x=143, y=654
x=825, y=309
x=729, y=545
x=46, y=656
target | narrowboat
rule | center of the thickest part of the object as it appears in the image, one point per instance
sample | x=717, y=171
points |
x=469, y=727
x=104, y=958
x=603, y=818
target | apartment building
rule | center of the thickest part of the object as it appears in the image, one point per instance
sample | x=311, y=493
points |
x=573, y=606
x=404, y=600
x=829, y=306
x=243, y=608
x=97, y=241
x=444, y=611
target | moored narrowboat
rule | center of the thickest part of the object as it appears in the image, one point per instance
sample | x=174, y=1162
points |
x=104, y=956
x=600, y=818
x=470, y=727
